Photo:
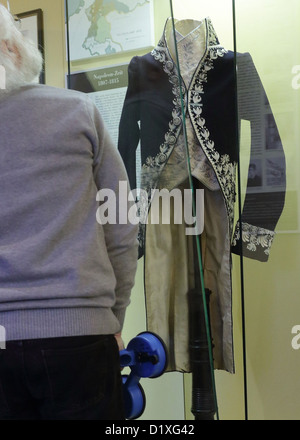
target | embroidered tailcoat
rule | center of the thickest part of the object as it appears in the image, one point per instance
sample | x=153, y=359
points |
x=200, y=104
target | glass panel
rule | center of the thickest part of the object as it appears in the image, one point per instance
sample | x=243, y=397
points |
x=212, y=109
x=142, y=95
x=267, y=38
x=191, y=40
x=123, y=57
x=165, y=132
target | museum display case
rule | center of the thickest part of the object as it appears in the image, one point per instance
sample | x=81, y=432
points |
x=202, y=101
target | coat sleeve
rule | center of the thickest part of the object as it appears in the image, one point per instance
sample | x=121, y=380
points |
x=266, y=183
x=129, y=129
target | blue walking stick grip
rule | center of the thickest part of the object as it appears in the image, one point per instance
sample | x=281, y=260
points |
x=146, y=356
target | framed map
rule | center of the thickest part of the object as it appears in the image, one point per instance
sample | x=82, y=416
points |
x=106, y=27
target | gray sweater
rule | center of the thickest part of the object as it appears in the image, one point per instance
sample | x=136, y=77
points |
x=61, y=272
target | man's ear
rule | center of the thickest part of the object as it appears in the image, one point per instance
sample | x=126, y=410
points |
x=12, y=51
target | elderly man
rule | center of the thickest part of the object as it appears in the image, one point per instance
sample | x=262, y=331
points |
x=65, y=279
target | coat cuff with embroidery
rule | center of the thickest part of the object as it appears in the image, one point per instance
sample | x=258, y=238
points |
x=256, y=241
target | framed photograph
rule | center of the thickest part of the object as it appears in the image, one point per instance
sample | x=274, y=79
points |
x=31, y=26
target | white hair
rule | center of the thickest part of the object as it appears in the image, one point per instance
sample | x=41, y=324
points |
x=31, y=60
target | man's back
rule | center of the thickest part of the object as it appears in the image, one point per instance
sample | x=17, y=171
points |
x=53, y=253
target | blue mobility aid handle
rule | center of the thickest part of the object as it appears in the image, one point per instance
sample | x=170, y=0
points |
x=146, y=356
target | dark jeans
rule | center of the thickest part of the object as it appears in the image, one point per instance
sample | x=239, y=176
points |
x=61, y=379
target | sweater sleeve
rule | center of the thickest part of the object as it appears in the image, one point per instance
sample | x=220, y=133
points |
x=120, y=234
